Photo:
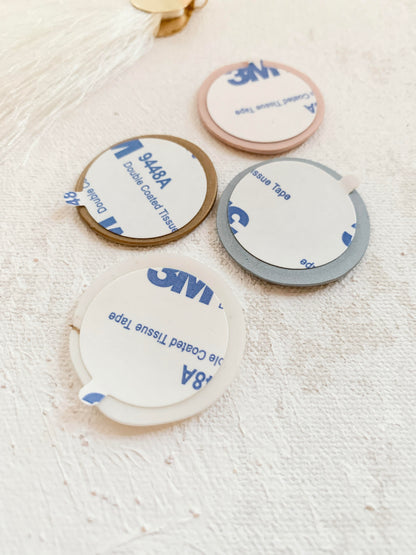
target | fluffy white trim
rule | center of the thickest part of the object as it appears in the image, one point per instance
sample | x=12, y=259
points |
x=53, y=53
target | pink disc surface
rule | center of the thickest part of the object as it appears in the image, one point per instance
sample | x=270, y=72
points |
x=260, y=106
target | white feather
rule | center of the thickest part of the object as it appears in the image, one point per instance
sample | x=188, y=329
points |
x=53, y=53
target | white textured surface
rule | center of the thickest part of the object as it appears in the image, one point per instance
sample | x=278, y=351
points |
x=312, y=450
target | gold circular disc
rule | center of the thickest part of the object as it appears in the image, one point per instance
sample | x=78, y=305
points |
x=160, y=6
x=208, y=203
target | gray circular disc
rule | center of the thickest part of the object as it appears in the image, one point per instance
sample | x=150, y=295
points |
x=295, y=277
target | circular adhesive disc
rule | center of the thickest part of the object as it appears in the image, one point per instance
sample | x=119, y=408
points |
x=293, y=222
x=156, y=340
x=147, y=190
x=261, y=106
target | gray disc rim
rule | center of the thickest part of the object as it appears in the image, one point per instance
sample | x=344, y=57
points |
x=283, y=276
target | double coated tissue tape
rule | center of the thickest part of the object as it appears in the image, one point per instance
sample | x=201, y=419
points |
x=146, y=190
x=156, y=340
x=260, y=106
x=293, y=222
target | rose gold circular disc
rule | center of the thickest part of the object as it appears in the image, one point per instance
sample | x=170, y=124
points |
x=203, y=201
x=237, y=102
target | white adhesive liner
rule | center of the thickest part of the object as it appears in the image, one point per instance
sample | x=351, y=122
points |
x=261, y=104
x=144, y=188
x=147, y=342
x=292, y=215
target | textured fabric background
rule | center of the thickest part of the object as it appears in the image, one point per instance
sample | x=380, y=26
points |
x=312, y=449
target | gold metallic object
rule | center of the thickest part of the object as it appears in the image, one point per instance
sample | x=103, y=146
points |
x=175, y=13
x=160, y=6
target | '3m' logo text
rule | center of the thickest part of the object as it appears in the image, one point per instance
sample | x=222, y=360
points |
x=252, y=73
x=176, y=280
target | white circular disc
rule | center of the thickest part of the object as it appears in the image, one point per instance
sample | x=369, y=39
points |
x=261, y=103
x=292, y=215
x=144, y=188
x=156, y=340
